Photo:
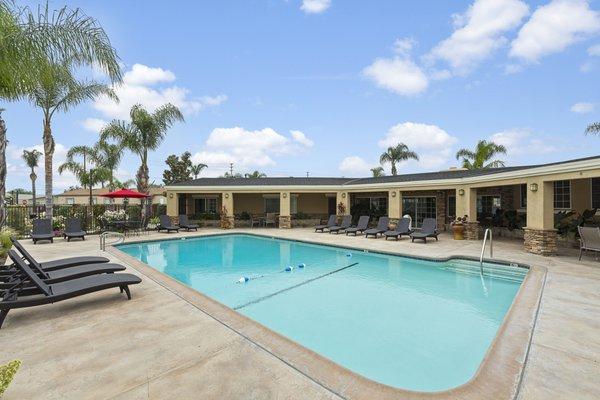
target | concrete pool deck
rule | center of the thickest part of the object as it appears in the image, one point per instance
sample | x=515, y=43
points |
x=159, y=345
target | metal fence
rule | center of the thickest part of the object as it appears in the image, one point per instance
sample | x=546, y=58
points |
x=19, y=218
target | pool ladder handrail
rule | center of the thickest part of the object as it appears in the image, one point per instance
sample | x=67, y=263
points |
x=104, y=235
x=485, y=237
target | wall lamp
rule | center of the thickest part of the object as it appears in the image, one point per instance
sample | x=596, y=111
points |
x=226, y=195
x=343, y=195
x=284, y=195
x=461, y=192
x=394, y=193
x=533, y=187
x=170, y=195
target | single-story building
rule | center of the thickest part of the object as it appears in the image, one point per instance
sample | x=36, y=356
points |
x=533, y=194
x=82, y=196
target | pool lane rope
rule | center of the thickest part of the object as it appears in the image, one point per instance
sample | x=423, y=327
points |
x=294, y=286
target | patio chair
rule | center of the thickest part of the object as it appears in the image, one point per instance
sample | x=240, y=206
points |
x=361, y=226
x=184, y=223
x=346, y=223
x=56, y=264
x=256, y=220
x=270, y=219
x=42, y=230
x=332, y=221
x=382, y=225
x=52, y=293
x=73, y=229
x=403, y=228
x=589, y=239
x=166, y=225
x=428, y=230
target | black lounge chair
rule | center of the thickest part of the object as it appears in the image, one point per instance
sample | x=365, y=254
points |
x=73, y=229
x=382, y=226
x=52, y=293
x=361, y=226
x=53, y=265
x=401, y=229
x=166, y=224
x=184, y=223
x=428, y=229
x=330, y=222
x=346, y=223
x=42, y=230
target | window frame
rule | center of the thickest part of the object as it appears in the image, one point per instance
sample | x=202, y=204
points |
x=570, y=195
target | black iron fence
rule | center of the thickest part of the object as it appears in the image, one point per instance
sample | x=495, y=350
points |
x=93, y=218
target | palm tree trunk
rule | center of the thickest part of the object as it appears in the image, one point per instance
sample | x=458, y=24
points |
x=3, y=143
x=48, y=155
x=394, y=171
x=33, y=178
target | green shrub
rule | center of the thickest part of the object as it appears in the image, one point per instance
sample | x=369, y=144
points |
x=7, y=373
x=5, y=243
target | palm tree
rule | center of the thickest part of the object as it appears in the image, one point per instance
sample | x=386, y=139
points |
x=197, y=168
x=395, y=154
x=593, y=129
x=86, y=152
x=256, y=174
x=28, y=40
x=480, y=158
x=57, y=90
x=144, y=133
x=108, y=156
x=377, y=172
x=31, y=158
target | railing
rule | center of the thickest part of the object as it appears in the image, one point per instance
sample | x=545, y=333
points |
x=485, y=237
x=120, y=238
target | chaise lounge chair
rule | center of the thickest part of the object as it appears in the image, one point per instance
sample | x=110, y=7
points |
x=346, y=223
x=330, y=222
x=52, y=293
x=53, y=265
x=42, y=230
x=589, y=239
x=166, y=224
x=428, y=229
x=73, y=229
x=382, y=226
x=361, y=226
x=401, y=229
x=184, y=223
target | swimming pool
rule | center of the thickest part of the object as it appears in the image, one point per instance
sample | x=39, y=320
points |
x=405, y=322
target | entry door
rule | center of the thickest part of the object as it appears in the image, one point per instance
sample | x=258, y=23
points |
x=331, y=205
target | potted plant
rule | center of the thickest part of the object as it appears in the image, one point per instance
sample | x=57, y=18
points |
x=5, y=244
x=458, y=227
x=341, y=208
x=153, y=222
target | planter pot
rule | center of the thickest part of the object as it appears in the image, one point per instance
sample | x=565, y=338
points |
x=458, y=231
x=58, y=233
x=152, y=226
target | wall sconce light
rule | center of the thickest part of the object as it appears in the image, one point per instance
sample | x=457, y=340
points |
x=394, y=193
x=343, y=195
x=170, y=195
x=226, y=195
x=533, y=187
x=285, y=195
x=461, y=192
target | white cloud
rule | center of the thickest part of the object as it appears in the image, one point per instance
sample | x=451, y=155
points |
x=582, y=108
x=355, y=166
x=399, y=75
x=478, y=33
x=521, y=142
x=404, y=46
x=513, y=69
x=136, y=88
x=553, y=27
x=301, y=138
x=594, y=50
x=315, y=6
x=143, y=75
x=93, y=124
x=247, y=149
x=430, y=142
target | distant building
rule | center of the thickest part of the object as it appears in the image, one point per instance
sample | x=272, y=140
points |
x=82, y=196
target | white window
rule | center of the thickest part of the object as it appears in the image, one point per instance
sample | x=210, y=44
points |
x=205, y=205
x=70, y=200
x=272, y=204
x=562, y=194
x=106, y=201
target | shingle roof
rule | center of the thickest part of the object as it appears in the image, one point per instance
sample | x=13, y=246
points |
x=425, y=176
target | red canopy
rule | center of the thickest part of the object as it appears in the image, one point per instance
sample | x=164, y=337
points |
x=125, y=193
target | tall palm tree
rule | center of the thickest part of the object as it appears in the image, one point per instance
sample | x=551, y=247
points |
x=256, y=174
x=108, y=156
x=31, y=158
x=481, y=156
x=197, y=168
x=28, y=40
x=85, y=152
x=593, y=129
x=144, y=133
x=396, y=154
x=57, y=90
x=377, y=172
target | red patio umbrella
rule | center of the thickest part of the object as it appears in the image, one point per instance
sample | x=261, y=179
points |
x=125, y=194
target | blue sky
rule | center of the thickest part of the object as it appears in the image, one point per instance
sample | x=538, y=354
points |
x=289, y=87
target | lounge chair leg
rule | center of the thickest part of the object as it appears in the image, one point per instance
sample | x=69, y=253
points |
x=580, y=252
x=3, y=315
x=126, y=289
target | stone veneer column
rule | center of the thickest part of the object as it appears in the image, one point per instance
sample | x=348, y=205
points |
x=440, y=206
x=227, y=220
x=471, y=230
x=285, y=218
x=540, y=237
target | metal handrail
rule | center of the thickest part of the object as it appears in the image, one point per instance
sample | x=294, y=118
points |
x=485, y=236
x=120, y=238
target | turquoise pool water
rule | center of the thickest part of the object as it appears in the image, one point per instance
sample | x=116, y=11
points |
x=408, y=323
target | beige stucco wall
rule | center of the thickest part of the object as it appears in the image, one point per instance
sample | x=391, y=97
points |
x=252, y=203
x=313, y=203
x=581, y=197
